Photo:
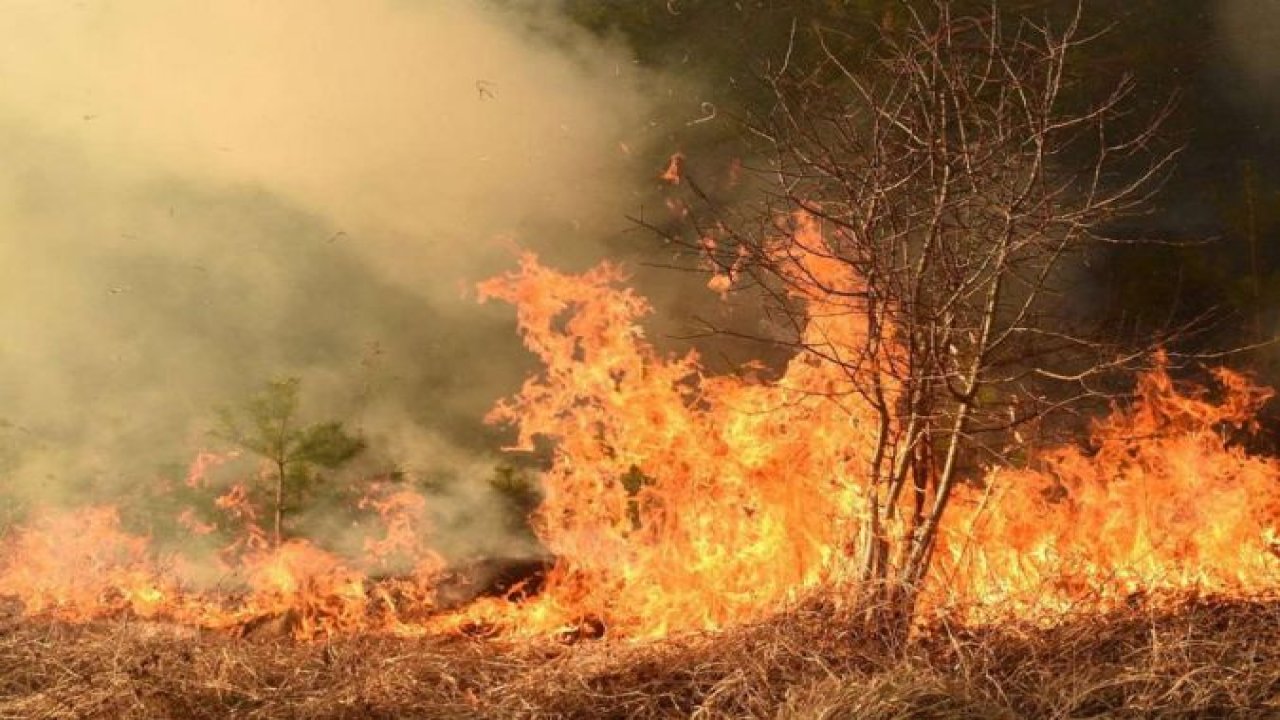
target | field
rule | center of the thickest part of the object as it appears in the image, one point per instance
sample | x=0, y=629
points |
x=1203, y=657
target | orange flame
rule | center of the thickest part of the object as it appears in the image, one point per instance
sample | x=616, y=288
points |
x=1161, y=502
x=81, y=565
x=674, y=169
x=678, y=500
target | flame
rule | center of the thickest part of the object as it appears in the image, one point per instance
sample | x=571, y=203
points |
x=315, y=588
x=676, y=499
x=82, y=565
x=674, y=169
x=1161, y=502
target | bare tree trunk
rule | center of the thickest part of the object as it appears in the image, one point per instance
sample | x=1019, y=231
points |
x=951, y=179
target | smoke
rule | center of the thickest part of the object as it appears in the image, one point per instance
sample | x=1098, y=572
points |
x=1250, y=33
x=196, y=198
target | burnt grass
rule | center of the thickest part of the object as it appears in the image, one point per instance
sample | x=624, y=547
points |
x=1204, y=657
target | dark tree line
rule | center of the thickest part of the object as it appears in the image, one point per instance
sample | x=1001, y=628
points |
x=1217, y=221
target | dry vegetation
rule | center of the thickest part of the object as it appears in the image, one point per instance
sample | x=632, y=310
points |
x=1207, y=658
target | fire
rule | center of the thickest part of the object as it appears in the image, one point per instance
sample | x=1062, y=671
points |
x=81, y=565
x=676, y=499
x=1161, y=501
x=312, y=587
x=673, y=170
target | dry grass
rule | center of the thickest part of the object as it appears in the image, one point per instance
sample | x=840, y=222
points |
x=1207, y=658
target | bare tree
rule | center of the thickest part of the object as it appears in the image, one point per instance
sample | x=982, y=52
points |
x=955, y=171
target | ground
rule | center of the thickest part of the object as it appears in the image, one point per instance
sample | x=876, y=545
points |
x=1206, y=657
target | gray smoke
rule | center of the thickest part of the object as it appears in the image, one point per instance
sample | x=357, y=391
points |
x=1250, y=34
x=196, y=198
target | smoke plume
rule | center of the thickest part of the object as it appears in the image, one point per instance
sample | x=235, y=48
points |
x=196, y=198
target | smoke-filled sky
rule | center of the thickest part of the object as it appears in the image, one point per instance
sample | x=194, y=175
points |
x=198, y=197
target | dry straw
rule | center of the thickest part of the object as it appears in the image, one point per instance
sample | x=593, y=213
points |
x=1205, y=658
